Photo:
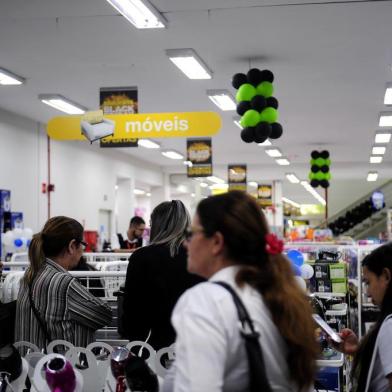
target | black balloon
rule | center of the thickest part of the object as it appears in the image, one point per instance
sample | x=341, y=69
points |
x=315, y=183
x=267, y=76
x=315, y=154
x=238, y=80
x=262, y=132
x=314, y=168
x=324, y=183
x=272, y=102
x=324, y=154
x=325, y=169
x=248, y=135
x=258, y=102
x=276, y=131
x=242, y=107
x=254, y=76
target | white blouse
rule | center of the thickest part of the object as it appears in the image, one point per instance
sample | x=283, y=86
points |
x=210, y=352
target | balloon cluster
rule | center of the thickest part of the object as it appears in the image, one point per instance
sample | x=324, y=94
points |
x=17, y=240
x=353, y=217
x=302, y=271
x=319, y=169
x=257, y=106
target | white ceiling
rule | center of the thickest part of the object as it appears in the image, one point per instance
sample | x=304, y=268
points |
x=331, y=63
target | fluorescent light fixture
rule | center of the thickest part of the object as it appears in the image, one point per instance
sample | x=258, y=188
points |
x=215, y=180
x=188, y=163
x=273, y=152
x=237, y=122
x=265, y=144
x=372, y=176
x=292, y=178
x=203, y=184
x=388, y=94
x=222, y=99
x=282, y=161
x=61, y=103
x=382, y=137
x=385, y=119
x=116, y=187
x=172, y=154
x=142, y=14
x=219, y=186
x=192, y=195
x=189, y=63
x=148, y=194
x=378, y=150
x=375, y=159
x=288, y=201
x=146, y=143
x=252, y=183
x=138, y=192
x=8, y=78
x=314, y=193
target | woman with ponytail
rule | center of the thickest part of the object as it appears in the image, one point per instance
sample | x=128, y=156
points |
x=51, y=303
x=229, y=242
x=372, y=366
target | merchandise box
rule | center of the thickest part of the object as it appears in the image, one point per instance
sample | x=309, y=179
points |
x=5, y=200
x=324, y=285
x=328, y=379
x=337, y=271
x=321, y=270
x=339, y=286
x=16, y=220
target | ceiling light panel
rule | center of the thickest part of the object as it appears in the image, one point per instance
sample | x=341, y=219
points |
x=292, y=178
x=289, y=201
x=138, y=192
x=252, y=183
x=375, y=159
x=222, y=99
x=215, y=180
x=372, y=176
x=142, y=14
x=388, y=94
x=188, y=61
x=146, y=143
x=378, y=150
x=282, y=161
x=273, y=152
x=8, y=78
x=314, y=193
x=385, y=119
x=172, y=154
x=61, y=103
x=382, y=137
x=264, y=144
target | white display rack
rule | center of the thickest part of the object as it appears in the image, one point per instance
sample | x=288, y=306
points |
x=90, y=257
x=337, y=312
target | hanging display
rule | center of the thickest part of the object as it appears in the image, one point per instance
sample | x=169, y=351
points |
x=236, y=175
x=199, y=157
x=319, y=169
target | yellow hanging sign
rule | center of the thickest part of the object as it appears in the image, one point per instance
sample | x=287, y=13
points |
x=138, y=126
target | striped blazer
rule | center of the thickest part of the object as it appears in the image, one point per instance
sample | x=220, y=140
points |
x=70, y=311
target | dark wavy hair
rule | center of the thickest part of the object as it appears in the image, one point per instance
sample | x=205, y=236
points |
x=241, y=222
x=375, y=262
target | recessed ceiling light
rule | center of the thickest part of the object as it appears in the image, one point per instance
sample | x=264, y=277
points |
x=372, y=176
x=378, y=150
x=203, y=184
x=8, y=78
x=388, y=95
x=252, y=183
x=273, y=152
x=313, y=192
x=289, y=201
x=192, y=195
x=148, y=194
x=215, y=180
x=172, y=154
x=142, y=14
x=292, y=178
x=189, y=63
x=385, y=119
x=375, y=159
x=265, y=144
x=138, y=191
x=61, y=103
x=146, y=143
x=282, y=161
x=382, y=137
x=222, y=99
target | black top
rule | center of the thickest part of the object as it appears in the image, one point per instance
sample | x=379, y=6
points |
x=125, y=244
x=154, y=282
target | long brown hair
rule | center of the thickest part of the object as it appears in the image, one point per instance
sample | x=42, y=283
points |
x=243, y=225
x=51, y=241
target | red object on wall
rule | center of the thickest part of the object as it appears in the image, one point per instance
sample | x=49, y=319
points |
x=91, y=237
x=43, y=187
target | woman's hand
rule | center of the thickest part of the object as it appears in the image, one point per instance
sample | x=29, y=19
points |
x=349, y=345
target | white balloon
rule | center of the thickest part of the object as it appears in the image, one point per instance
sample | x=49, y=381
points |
x=18, y=233
x=301, y=282
x=307, y=271
x=28, y=233
x=8, y=238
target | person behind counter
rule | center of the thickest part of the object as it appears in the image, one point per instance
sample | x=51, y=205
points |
x=157, y=276
x=134, y=238
x=51, y=303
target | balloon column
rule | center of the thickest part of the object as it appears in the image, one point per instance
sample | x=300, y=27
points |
x=319, y=169
x=17, y=240
x=301, y=271
x=257, y=106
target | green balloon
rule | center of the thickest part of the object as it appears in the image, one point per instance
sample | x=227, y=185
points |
x=328, y=176
x=328, y=162
x=311, y=176
x=250, y=118
x=319, y=175
x=245, y=93
x=269, y=115
x=312, y=162
x=320, y=162
x=266, y=89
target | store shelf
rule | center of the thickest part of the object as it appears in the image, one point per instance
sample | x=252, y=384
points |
x=335, y=361
x=336, y=312
x=329, y=295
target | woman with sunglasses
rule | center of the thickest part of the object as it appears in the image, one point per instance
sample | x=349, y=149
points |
x=231, y=243
x=51, y=303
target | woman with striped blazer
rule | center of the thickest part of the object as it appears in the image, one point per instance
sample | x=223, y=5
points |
x=51, y=303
